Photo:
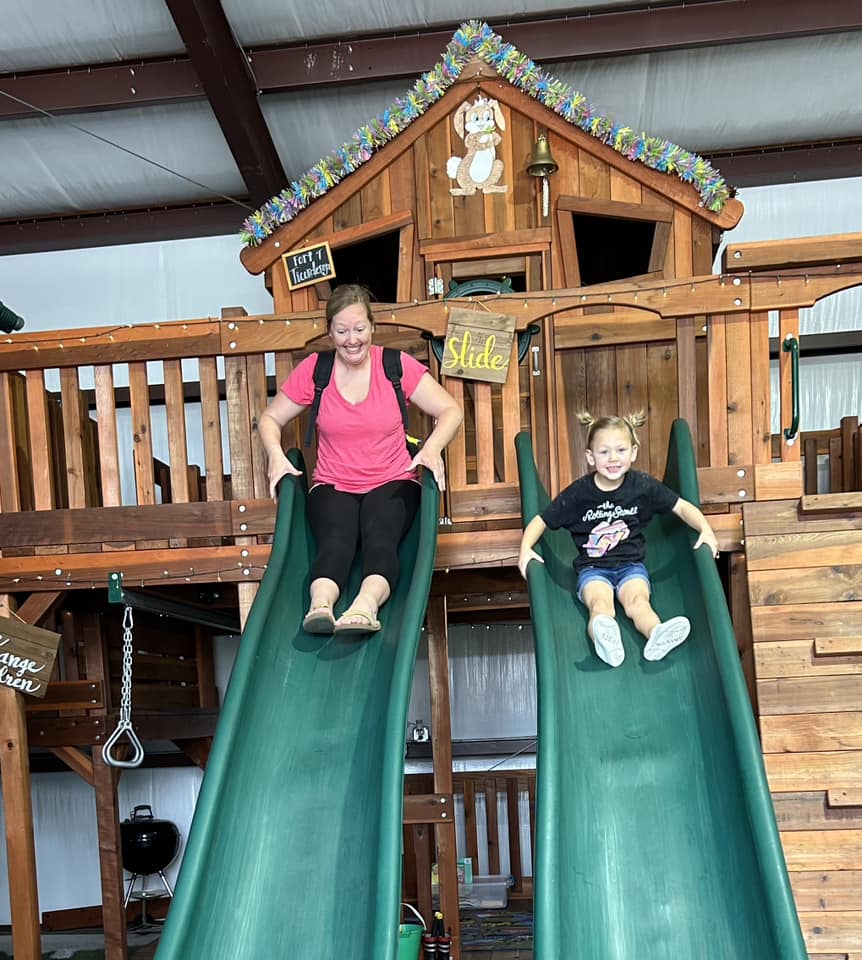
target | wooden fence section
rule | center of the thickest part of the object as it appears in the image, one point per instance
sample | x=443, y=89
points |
x=498, y=809
x=805, y=584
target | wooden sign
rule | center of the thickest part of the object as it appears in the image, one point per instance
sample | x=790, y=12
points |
x=478, y=345
x=27, y=656
x=309, y=265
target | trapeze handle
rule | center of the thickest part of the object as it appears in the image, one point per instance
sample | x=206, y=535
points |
x=124, y=726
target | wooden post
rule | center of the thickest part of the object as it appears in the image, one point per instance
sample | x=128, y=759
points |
x=788, y=323
x=18, y=810
x=108, y=828
x=441, y=747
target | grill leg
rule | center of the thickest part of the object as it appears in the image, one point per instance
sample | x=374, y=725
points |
x=132, y=880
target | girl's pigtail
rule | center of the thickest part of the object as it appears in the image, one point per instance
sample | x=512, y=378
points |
x=633, y=421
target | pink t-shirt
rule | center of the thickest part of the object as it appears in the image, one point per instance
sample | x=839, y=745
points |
x=360, y=445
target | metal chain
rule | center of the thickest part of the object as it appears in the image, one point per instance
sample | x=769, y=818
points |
x=126, y=683
x=124, y=726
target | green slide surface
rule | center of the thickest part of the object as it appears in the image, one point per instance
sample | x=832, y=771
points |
x=295, y=845
x=655, y=833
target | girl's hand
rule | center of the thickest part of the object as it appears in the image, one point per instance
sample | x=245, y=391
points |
x=433, y=462
x=524, y=558
x=279, y=466
x=707, y=539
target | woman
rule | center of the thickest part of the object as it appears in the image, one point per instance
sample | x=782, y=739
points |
x=365, y=490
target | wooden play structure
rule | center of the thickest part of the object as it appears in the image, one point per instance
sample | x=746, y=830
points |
x=615, y=307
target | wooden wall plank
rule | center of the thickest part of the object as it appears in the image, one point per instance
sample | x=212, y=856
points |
x=813, y=810
x=593, y=177
x=792, y=695
x=778, y=481
x=523, y=189
x=632, y=395
x=717, y=362
x=826, y=548
x=440, y=148
x=682, y=246
x=823, y=849
x=811, y=732
x=801, y=620
x=663, y=400
x=824, y=584
x=601, y=381
x=571, y=396
x=761, y=389
x=564, y=256
x=783, y=516
x=832, y=931
x=818, y=890
x=740, y=448
x=623, y=188
x=800, y=658
x=686, y=361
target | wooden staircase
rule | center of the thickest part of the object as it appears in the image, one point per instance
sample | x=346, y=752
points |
x=804, y=561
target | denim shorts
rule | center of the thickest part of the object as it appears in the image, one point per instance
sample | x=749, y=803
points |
x=614, y=577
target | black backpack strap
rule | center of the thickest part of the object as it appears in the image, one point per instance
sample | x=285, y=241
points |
x=392, y=369
x=322, y=375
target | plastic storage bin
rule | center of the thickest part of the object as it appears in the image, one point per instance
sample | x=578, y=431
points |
x=484, y=893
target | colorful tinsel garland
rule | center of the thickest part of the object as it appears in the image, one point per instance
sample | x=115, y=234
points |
x=476, y=38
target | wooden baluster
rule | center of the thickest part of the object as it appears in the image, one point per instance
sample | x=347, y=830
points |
x=70, y=393
x=175, y=416
x=106, y=419
x=211, y=424
x=40, y=449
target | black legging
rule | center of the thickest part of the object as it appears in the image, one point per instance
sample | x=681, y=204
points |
x=374, y=522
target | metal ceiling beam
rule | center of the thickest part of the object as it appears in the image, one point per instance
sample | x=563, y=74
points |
x=790, y=163
x=39, y=234
x=574, y=37
x=227, y=81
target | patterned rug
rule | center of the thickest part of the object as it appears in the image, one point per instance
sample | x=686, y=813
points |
x=496, y=928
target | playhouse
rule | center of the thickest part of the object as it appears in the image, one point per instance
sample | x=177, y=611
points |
x=490, y=205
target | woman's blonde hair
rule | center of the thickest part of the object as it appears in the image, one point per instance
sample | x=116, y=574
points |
x=630, y=422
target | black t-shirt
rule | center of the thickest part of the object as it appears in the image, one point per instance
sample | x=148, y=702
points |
x=608, y=525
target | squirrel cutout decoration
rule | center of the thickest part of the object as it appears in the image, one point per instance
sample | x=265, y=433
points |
x=479, y=168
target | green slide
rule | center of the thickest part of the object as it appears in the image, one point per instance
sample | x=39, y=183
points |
x=295, y=846
x=655, y=833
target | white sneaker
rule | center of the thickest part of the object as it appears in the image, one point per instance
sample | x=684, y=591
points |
x=607, y=640
x=665, y=636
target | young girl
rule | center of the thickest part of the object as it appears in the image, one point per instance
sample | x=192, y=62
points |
x=606, y=513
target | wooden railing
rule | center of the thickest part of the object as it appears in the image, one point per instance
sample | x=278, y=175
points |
x=496, y=843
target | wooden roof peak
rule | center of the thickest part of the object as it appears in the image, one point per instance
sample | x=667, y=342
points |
x=474, y=56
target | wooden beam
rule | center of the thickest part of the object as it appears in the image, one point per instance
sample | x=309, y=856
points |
x=798, y=252
x=77, y=761
x=18, y=816
x=441, y=738
x=231, y=89
x=110, y=858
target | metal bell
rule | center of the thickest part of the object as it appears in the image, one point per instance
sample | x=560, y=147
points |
x=541, y=164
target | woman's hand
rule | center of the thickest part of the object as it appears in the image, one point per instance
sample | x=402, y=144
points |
x=433, y=462
x=279, y=466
